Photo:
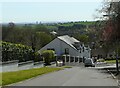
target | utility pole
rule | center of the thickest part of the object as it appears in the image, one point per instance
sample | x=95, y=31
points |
x=117, y=43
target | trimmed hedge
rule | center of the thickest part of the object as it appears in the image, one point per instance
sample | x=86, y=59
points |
x=11, y=51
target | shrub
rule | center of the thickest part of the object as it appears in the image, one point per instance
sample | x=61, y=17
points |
x=11, y=51
x=37, y=57
x=110, y=58
x=48, y=55
x=100, y=60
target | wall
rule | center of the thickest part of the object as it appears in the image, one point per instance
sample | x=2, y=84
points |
x=15, y=66
x=25, y=65
x=59, y=47
x=87, y=53
x=9, y=66
x=72, y=51
x=53, y=44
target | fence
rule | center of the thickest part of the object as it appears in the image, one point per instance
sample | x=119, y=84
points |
x=70, y=60
x=15, y=66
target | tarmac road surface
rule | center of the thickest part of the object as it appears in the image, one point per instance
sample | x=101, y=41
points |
x=76, y=76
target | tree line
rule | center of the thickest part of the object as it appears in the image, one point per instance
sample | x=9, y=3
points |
x=35, y=36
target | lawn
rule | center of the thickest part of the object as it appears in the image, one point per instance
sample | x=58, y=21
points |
x=0, y=79
x=13, y=77
x=111, y=61
x=66, y=66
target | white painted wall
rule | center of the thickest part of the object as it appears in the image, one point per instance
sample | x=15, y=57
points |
x=72, y=51
x=10, y=66
x=87, y=53
x=53, y=44
x=59, y=47
x=26, y=66
x=14, y=66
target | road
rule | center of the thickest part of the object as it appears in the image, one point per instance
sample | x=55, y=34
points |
x=76, y=76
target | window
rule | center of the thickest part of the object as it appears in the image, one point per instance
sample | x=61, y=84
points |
x=66, y=51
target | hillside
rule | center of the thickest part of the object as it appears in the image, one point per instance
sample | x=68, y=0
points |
x=39, y=34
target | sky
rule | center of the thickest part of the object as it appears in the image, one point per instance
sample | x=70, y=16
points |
x=48, y=11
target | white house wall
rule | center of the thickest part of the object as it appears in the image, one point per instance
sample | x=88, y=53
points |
x=53, y=44
x=72, y=51
x=60, y=46
x=86, y=53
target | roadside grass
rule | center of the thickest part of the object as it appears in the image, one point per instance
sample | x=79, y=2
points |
x=100, y=60
x=66, y=66
x=0, y=78
x=16, y=76
x=111, y=61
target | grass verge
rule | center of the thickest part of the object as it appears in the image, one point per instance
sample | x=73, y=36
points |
x=111, y=61
x=66, y=66
x=13, y=77
x=0, y=79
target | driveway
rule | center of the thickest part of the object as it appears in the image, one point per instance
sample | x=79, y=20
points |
x=76, y=76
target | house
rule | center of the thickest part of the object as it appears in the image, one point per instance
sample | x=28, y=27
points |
x=63, y=45
x=53, y=33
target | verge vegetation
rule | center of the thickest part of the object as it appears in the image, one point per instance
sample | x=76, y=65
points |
x=111, y=61
x=66, y=66
x=13, y=77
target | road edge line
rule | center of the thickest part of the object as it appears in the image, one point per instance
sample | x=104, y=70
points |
x=111, y=74
x=114, y=77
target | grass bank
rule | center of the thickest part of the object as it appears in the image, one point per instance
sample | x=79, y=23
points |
x=111, y=61
x=0, y=79
x=13, y=77
x=66, y=66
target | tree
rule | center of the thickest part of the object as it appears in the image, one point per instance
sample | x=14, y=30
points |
x=41, y=28
x=112, y=12
x=42, y=39
x=32, y=35
x=83, y=38
x=111, y=32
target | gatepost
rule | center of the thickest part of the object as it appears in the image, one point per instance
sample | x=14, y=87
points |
x=74, y=60
x=69, y=59
x=64, y=58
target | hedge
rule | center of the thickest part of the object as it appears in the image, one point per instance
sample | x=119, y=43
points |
x=11, y=51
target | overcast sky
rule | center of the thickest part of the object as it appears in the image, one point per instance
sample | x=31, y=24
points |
x=52, y=11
